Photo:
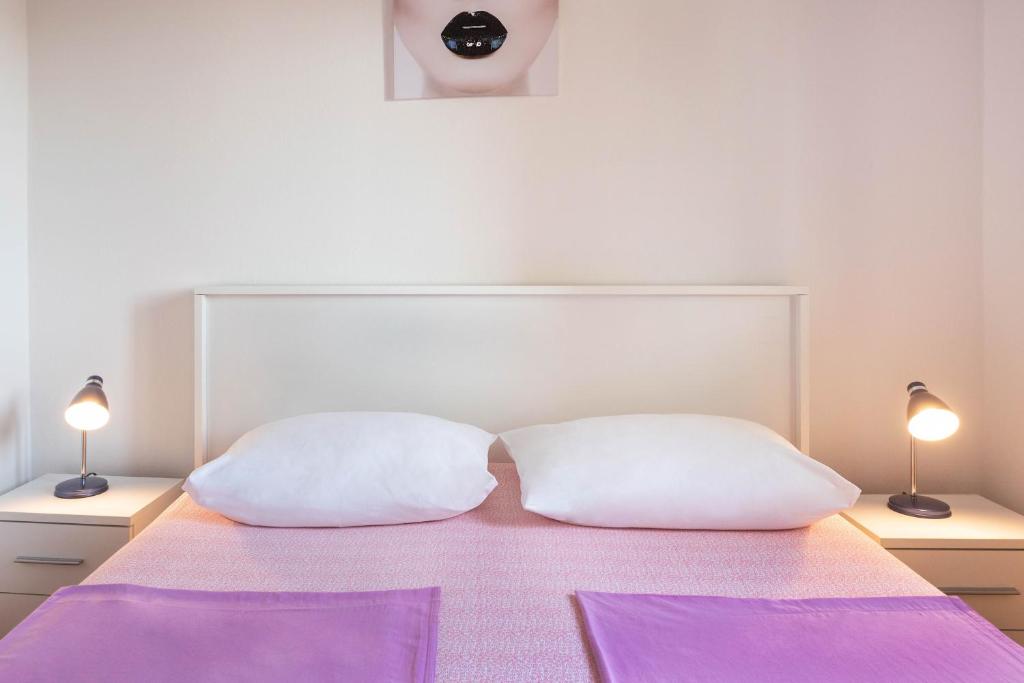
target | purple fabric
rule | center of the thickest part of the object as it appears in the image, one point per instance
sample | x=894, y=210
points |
x=128, y=633
x=671, y=638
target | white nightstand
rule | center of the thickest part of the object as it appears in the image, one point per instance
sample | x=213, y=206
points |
x=977, y=554
x=47, y=542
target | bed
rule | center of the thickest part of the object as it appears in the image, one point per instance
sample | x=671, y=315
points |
x=501, y=358
x=508, y=576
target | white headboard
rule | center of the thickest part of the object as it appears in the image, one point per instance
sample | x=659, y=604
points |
x=498, y=357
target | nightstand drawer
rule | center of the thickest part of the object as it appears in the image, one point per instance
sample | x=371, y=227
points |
x=14, y=608
x=990, y=581
x=40, y=558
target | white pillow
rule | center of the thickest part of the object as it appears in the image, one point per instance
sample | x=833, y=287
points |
x=348, y=469
x=672, y=472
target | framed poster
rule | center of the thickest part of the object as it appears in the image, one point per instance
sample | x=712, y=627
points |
x=499, y=48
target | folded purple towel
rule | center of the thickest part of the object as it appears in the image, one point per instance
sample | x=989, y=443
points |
x=673, y=638
x=129, y=633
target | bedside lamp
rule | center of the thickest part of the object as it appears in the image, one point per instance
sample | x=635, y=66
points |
x=88, y=411
x=928, y=419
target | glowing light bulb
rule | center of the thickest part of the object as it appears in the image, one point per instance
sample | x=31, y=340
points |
x=934, y=424
x=86, y=416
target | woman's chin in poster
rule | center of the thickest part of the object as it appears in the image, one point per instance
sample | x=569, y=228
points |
x=488, y=48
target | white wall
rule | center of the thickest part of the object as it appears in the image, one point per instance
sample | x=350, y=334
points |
x=829, y=143
x=1004, y=250
x=14, y=366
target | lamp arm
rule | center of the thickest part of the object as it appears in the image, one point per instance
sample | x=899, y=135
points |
x=84, y=447
x=913, y=466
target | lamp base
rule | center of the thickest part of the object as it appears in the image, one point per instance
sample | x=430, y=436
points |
x=919, y=506
x=81, y=487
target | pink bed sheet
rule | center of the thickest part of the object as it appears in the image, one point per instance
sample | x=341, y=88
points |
x=508, y=576
x=113, y=633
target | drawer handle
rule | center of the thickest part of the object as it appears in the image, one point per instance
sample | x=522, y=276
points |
x=984, y=590
x=59, y=561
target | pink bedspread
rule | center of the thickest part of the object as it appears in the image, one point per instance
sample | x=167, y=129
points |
x=910, y=639
x=508, y=576
x=129, y=634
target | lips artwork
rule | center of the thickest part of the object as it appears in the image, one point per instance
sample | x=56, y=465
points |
x=474, y=34
x=498, y=48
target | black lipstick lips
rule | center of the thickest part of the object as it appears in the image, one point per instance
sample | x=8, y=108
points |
x=474, y=34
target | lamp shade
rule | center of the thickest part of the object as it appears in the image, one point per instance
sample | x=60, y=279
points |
x=88, y=409
x=928, y=417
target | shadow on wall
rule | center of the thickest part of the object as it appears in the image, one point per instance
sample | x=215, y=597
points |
x=14, y=469
x=389, y=49
x=156, y=395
